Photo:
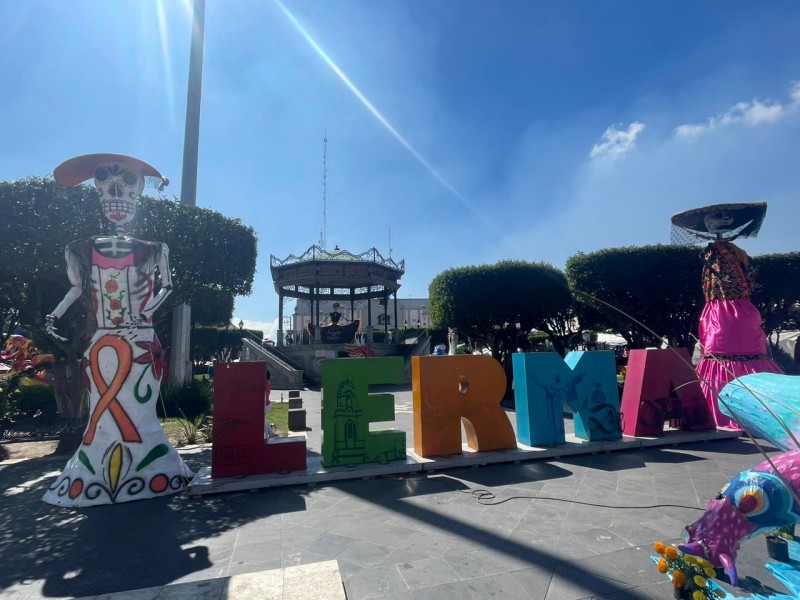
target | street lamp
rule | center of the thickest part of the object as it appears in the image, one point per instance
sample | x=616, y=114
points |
x=241, y=325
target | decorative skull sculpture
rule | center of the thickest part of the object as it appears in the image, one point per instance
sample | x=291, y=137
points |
x=118, y=189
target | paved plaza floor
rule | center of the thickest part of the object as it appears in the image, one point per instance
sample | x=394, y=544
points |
x=557, y=529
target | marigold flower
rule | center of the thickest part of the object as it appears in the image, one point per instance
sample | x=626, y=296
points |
x=700, y=580
x=698, y=595
x=671, y=552
x=692, y=560
x=703, y=563
x=659, y=547
x=710, y=572
x=662, y=565
x=678, y=578
x=720, y=592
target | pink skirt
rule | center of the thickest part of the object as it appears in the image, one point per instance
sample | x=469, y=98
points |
x=730, y=328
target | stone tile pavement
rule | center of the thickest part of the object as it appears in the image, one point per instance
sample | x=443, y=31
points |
x=318, y=580
x=564, y=529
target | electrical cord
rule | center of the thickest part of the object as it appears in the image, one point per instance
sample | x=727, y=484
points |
x=482, y=495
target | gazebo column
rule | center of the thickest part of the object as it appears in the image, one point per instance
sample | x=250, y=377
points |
x=280, y=318
x=385, y=312
x=395, y=335
x=317, y=332
x=310, y=315
x=370, y=337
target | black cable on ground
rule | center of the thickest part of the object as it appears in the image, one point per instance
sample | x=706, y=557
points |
x=482, y=495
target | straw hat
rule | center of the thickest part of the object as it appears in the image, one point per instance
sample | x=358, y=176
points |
x=747, y=218
x=79, y=169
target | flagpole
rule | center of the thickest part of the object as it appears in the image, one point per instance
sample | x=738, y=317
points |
x=180, y=350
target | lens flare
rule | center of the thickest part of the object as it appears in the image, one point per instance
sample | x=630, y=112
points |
x=376, y=113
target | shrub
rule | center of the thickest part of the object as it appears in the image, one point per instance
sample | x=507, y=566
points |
x=188, y=402
x=26, y=399
x=193, y=429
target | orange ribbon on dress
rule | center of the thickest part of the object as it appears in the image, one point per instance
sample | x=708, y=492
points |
x=108, y=392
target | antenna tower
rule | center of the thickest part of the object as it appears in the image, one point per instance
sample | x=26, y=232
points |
x=324, y=189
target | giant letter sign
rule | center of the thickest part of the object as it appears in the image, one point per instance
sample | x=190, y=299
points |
x=348, y=408
x=450, y=389
x=545, y=383
x=660, y=385
x=238, y=446
x=597, y=410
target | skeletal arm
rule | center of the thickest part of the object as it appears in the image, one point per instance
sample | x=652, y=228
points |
x=162, y=264
x=75, y=291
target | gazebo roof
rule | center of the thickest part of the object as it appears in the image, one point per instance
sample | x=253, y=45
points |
x=336, y=274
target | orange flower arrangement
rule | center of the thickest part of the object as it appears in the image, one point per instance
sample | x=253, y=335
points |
x=687, y=572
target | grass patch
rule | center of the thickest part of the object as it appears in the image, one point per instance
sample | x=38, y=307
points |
x=279, y=417
x=176, y=431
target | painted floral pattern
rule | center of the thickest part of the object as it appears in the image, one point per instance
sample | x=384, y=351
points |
x=154, y=356
x=115, y=311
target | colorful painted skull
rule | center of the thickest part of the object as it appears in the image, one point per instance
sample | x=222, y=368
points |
x=118, y=188
x=752, y=502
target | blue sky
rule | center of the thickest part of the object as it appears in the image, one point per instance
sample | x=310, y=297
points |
x=475, y=130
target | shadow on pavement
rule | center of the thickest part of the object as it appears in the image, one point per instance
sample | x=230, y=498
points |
x=103, y=549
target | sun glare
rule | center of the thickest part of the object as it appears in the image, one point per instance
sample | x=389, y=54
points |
x=165, y=59
x=381, y=119
x=163, y=36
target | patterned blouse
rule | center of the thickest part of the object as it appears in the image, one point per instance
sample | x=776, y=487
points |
x=727, y=274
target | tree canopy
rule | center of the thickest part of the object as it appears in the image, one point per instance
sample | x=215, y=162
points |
x=498, y=305
x=777, y=290
x=658, y=286
x=212, y=259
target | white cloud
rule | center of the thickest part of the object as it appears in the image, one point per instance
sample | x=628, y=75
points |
x=794, y=92
x=751, y=113
x=270, y=328
x=616, y=142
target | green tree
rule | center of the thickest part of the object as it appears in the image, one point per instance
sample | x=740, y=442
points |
x=209, y=342
x=208, y=252
x=211, y=256
x=498, y=305
x=42, y=218
x=658, y=286
x=777, y=291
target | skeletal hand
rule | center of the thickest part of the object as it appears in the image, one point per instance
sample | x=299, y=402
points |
x=50, y=328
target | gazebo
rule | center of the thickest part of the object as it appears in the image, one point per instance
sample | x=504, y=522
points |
x=323, y=275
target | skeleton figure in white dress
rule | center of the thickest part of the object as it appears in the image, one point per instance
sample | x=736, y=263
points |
x=124, y=454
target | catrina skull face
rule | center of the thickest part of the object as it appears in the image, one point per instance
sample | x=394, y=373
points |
x=118, y=189
x=719, y=221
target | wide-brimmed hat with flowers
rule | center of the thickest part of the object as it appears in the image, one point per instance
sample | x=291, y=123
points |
x=79, y=169
x=747, y=220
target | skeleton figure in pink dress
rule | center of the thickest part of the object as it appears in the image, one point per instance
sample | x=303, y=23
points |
x=731, y=337
x=124, y=453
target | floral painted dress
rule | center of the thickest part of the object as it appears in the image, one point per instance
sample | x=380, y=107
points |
x=124, y=453
x=731, y=336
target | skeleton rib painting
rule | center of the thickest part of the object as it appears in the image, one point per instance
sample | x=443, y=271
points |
x=124, y=454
